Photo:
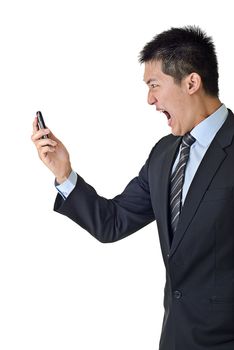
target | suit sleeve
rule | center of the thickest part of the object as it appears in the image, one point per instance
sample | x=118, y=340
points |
x=109, y=220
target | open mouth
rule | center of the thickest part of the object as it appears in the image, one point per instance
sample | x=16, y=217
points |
x=167, y=114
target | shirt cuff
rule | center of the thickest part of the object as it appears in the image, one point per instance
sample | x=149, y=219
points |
x=67, y=186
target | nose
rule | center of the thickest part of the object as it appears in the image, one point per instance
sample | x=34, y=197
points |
x=151, y=99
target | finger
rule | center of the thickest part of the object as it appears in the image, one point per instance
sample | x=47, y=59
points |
x=46, y=149
x=38, y=134
x=45, y=142
x=35, y=125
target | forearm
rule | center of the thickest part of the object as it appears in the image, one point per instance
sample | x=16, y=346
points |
x=108, y=220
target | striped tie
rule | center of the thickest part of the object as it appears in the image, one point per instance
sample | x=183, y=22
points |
x=177, y=181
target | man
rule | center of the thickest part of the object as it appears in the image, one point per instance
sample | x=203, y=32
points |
x=186, y=184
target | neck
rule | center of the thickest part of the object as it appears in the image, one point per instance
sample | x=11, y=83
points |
x=206, y=107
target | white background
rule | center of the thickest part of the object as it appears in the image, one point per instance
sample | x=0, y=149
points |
x=77, y=61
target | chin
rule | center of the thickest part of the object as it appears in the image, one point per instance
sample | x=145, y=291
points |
x=176, y=133
x=179, y=132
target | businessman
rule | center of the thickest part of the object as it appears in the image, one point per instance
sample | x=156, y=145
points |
x=186, y=185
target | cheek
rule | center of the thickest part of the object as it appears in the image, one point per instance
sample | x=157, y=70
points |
x=181, y=111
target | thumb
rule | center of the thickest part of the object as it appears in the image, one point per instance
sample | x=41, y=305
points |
x=53, y=137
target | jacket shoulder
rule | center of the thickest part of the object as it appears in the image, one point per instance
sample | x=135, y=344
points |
x=163, y=144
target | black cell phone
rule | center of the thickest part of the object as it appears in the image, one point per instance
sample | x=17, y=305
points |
x=41, y=123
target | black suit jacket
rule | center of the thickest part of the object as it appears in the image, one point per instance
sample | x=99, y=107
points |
x=199, y=290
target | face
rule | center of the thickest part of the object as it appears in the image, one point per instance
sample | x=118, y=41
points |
x=170, y=98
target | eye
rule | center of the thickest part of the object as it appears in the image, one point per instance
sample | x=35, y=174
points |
x=153, y=86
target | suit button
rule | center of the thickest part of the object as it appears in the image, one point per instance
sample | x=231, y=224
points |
x=177, y=294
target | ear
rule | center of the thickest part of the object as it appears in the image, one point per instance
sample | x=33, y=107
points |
x=193, y=83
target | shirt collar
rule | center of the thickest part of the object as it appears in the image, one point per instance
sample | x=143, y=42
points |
x=205, y=131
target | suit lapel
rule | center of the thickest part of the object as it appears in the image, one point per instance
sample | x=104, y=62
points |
x=209, y=165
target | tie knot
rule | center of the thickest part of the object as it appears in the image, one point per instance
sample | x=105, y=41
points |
x=188, y=139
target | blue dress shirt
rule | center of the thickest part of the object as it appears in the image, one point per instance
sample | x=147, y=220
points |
x=204, y=133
